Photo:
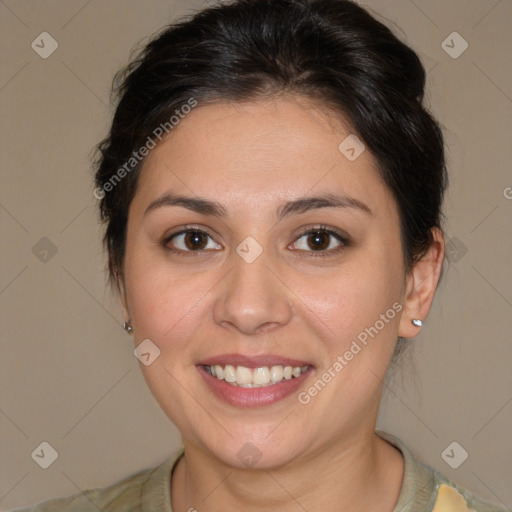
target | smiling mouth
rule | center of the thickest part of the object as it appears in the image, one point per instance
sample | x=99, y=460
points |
x=263, y=376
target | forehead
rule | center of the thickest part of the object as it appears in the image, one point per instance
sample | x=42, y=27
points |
x=250, y=154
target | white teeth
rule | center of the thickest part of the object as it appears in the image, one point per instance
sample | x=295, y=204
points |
x=276, y=374
x=243, y=375
x=261, y=376
x=219, y=372
x=229, y=373
x=257, y=377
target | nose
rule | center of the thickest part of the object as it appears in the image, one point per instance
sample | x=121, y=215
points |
x=252, y=299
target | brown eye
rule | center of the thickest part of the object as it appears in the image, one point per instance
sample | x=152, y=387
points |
x=190, y=240
x=318, y=240
x=195, y=240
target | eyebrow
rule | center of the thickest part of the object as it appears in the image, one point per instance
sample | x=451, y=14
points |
x=296, y=206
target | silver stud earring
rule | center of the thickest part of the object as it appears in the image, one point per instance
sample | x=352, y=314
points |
x=417, y=323
x=127, y=327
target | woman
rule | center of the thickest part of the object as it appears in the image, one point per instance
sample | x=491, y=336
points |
x=272, y=190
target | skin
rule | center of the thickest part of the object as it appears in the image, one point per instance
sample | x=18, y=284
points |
x=251, y=158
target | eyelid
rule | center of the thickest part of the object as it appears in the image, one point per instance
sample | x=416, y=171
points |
x=186, y=229
x=327, y=229
x=344, y=240
x=183, y=230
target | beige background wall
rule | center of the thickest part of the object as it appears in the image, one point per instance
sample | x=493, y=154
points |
x=68, y=374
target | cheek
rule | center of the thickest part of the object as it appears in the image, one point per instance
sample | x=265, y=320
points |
x=353, y=297
x=165, y=304
x=167, y=308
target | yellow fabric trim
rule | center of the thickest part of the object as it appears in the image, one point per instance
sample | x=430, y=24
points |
x=450, y=500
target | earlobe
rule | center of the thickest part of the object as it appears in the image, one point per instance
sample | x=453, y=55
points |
x=421, y=287
x=126, y=313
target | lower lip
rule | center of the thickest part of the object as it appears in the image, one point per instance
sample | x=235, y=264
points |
x=252, y=397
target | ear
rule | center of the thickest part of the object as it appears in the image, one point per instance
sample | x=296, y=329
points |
x=123, y=296
x=421, y=286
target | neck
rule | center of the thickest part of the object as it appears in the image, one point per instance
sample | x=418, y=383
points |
x=359, y=472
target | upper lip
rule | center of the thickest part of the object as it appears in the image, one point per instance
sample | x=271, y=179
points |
x=252, y=361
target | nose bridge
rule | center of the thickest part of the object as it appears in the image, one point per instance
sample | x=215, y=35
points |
x=251, y=296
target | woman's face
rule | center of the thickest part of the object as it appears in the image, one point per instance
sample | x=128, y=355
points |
x=248, y=281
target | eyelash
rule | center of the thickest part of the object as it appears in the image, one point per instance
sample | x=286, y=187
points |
x=327, y=231
x=311, y=230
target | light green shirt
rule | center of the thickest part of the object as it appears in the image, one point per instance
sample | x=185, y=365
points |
x=423, y=490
